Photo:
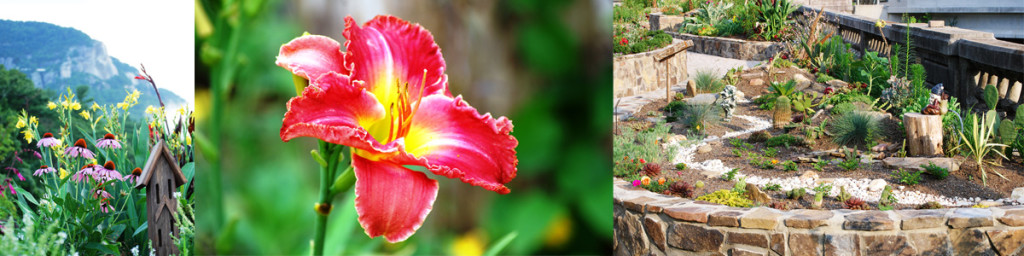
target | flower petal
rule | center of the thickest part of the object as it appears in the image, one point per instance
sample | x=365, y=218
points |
x=388, y=52
x=456, y=141
x=334, y=110
x=311, y=56
x=391, y=201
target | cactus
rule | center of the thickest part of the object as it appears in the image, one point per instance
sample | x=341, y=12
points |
x=843, y=195
x=1007, y=135
x=783, y=113
x=991, y=97
x=796, y=193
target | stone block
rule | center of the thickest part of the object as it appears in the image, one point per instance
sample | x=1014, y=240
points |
x=778, y=243
x=801, y=244
x=1007, y=242
x=695, y=238
x=887, y=245
x=1013, y=218
x=744, y=252
x=842, y=244
x=970, y=242
x=970, y=217
x=914, y=163
x=869, y=221
x=725, y=219
x=691, y=212
x=637, y=204
x=808, y=219
x=630, y=236
x=931, y=243
x=747, y=238
x=920, y=219
x=655, y=231
x=760, y=218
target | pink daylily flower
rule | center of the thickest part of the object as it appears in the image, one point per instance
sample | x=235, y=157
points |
x=387, y=98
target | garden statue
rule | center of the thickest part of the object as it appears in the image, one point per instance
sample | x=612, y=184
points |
x=727, y=99
x=937, y=89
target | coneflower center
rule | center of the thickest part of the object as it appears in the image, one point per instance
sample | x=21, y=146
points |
x=109, y=165
x=47, y=135
x=108, y=136
x=44, y=167
x=80, y=143
x=137, y=172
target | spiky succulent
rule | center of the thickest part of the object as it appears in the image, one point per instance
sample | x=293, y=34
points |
x=856, y=204
x=682, y=188
x=652, y=169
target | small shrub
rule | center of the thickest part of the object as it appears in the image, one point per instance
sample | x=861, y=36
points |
x=682, y=188
x=760, y=136
x=784, y=140
x=850, y=163
x=789, y=166
x=740, y=186
x=887, y=201
x=936, y=170
x=823, y=189
x=820, y=165
x=907, y=177
x=681, y=166
x=727, y=197
x=931, y=205
x=771, y=152
x=700, y=116
x=796, y=193
x=856, y=204
x=772, y=187
x=855, y=128
x=730, y=175
x=843, y=108
x=679, y=96
x=627, y=166
x=652, y=169
x=707, y=81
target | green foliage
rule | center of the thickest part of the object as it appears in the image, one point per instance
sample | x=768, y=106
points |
x=730, y=175
x=727, y=197
x=796, y=193
x=823, y=189
x=700, y=116
x=785, y=140
x=789, y=166
x=855, y=128
x=843, y=108
x=741, y=186
x=773, y=18
x=991, y=97
x=852, y=162
x=930, y=205
x=772, y=187
x=1007, y=136
x=823, y=78
x=907, y=177
x=804, y=102
x=631, y=144
x=30, y=238
x=681, y=166
x=643, y=42
x=786, y=89
x=707, y=18
x=976, y=143
x=733, y=75
x=887, y=201
x=771, y=151
x=820, y=165
x=837, y=58
x=186, y=229
x=935, y=170
x=707, y=81
x=673, y=110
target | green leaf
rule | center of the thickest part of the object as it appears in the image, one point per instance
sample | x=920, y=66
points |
x=501, y=244
x=27, y=195
x=144, y=226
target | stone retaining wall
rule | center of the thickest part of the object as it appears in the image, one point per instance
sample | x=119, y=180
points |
x=652, y=224
x=639, y=73
x=718, y=46
x=964, y=60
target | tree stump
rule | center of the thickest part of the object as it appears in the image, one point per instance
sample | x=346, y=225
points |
x=924, y=134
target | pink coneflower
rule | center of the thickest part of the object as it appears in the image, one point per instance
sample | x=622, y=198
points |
x=89, y=169
x=107, y=172
x=48, y=141
x=44, y=169
x=100, y=192
x=132, y=178
x=105, y=206
x=79, y=150
x=108, y=141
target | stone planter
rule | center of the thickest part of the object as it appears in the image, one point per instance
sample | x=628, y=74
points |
x=648, y=223
x=718, y=46
x=639, y=73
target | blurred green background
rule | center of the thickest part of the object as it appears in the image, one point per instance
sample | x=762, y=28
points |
x=544, y=64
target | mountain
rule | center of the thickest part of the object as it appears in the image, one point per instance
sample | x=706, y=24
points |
x=56, y=57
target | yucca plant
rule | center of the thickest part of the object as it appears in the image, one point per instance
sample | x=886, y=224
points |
x=707, y=81
x=976, y=144
x=782, y=89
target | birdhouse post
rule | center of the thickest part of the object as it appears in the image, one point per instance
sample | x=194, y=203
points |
x=161, y=178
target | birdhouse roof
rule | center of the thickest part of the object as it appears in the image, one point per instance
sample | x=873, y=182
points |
x=160, y=152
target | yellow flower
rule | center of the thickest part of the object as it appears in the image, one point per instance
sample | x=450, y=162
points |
x=33, y=120
x=51, y=105
x=775, y=161
x=75, y=106
x=123, y=105
x=468, y=244
x=880, y=23
x=28, y=136
x=181, y=111
x=95, y=106
x=188, y=140
x=63, y=173
x=150, y=110
x=21, y=123
x=65, y=104
x=85, y=114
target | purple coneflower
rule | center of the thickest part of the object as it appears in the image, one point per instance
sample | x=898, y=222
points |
x=105, y=206
x=79, y=150
x=48, y=141
x=107, y=172
x=44, y=169
x=132, y=178
x=108, y=141
x=89, y=169
x=100, y=192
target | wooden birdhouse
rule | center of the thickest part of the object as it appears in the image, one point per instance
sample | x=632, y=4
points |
x=161, y=177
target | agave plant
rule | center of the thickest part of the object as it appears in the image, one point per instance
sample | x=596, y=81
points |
x=708, y=16
x=976, y=143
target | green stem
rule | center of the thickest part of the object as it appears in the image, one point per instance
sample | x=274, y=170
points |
x=323, y=206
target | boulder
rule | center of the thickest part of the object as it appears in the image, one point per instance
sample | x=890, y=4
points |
x=876, y=185
x=1017, y=194
x=914, y=163
x=755, y=193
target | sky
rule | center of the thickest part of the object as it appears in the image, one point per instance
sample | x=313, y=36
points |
x=159, y=34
